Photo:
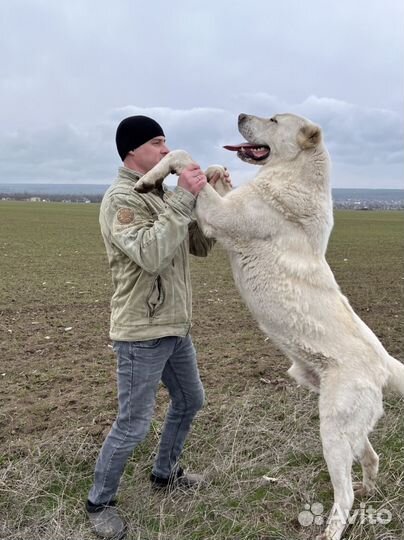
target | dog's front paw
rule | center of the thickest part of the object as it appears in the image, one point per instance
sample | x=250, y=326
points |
x=148, y=182
x=143, y=187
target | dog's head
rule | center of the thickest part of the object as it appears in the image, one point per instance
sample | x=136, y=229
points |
x=277, y=139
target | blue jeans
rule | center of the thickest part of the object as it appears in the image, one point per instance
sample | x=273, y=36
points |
x=141, y=366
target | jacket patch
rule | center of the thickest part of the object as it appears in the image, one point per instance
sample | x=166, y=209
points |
x=125, y=216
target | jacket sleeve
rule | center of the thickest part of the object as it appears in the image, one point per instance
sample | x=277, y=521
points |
x=199, y=245
x=150, y=243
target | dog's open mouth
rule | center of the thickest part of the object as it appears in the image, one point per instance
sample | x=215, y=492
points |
x=257, y=152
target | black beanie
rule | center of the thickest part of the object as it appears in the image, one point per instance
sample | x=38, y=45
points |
x=134, y=131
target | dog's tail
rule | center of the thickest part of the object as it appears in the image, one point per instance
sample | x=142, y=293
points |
x=396, y=379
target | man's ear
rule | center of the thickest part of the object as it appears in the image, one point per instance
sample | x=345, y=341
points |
x=309, y=136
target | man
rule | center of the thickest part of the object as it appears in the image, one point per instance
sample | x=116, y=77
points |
x=147, y=239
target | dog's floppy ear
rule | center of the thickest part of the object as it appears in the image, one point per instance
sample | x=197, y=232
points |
x=309, y=136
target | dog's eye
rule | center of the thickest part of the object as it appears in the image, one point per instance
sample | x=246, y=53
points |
x=274, y=120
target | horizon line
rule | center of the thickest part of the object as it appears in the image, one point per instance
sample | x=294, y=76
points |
x=171, y=185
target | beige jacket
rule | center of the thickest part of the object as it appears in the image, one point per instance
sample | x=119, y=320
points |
x=148, y=238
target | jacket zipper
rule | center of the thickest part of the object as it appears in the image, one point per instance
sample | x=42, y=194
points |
x=161, y=296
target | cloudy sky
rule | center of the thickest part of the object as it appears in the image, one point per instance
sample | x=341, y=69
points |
x=70, y=70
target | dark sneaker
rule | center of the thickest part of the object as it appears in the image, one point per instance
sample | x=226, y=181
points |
x=106, y=521
x=181, y=480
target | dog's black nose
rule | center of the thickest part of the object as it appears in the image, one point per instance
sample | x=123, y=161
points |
x=242, y=117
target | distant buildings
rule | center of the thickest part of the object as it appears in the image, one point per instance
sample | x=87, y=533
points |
x=348, y=199
x=365, y=204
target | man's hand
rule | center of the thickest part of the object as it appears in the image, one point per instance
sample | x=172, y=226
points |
x=192, y=179
x=216, y=176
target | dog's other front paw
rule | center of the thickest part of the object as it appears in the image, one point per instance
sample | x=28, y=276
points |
x=217, y=174
x=215, y=170
x=222, y=187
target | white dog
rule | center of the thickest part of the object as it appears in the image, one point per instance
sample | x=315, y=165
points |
x=276, y=230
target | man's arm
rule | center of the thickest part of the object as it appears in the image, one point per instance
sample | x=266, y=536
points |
x=150, y=243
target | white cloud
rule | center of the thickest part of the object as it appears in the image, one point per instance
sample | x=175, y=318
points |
x=366, y=145
x=70, y=69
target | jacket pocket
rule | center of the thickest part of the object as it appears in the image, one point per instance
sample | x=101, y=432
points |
x=156, y=297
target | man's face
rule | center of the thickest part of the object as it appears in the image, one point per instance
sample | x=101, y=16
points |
x=149, y=154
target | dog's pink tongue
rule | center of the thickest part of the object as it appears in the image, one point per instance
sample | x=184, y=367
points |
x=237, y=147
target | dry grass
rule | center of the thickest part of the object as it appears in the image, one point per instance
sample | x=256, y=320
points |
x=267, y=433
x=59, y=393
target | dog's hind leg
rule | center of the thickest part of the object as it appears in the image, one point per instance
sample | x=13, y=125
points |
x=304, y=375
x=370, y=466
x=349, y=410
x=339, y=457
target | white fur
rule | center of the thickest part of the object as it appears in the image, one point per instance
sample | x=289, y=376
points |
x=276, y=230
